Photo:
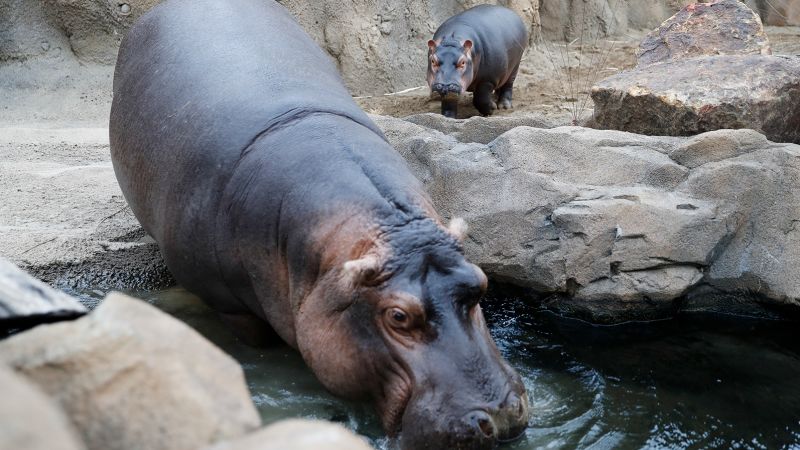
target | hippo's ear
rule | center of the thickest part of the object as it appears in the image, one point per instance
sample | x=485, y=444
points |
x=458, y=229
x=467, y=46
x=432, y=46
x=363, y=270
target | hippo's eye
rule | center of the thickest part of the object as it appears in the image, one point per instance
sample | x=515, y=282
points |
x=433, y=62
x=397, y=317
x=461, y=64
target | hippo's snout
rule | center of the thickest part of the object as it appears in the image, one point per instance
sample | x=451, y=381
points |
x=481, y=428
x=445, y=89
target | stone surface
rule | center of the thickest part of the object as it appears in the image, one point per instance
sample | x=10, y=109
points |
x=615, y=226
x=129, y=376
x=379, y=46
x=31, y=421
x=722, y=27
x=26, y=301
x=701, y=94
x=777, y=12
x=297, y=434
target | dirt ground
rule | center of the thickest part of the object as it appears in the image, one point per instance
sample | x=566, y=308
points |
x=555, y=81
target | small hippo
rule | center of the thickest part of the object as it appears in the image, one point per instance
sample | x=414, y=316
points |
x=278, y=201
x=478, y=50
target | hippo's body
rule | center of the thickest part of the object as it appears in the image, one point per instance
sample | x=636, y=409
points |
x=276, y=199
x=495, y=39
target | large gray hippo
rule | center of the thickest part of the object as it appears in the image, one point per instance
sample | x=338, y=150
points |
x=276, y=199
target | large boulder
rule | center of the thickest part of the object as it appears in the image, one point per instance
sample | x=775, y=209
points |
x=297, y=434
x=614, y=226
x=31, y=421
x=723, y=27
x=708, y=67
x=26, y=301
x=130, y=376
x=691, y=96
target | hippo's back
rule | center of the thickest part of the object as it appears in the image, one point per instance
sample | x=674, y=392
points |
x=196, y=82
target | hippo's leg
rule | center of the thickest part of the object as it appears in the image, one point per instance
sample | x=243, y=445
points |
x=482, y=99
x=450, y=107
x=250, y=329
x=505, y=92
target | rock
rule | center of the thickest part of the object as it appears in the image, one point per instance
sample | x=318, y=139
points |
x=297, y=434
x=379, y=46
x=478, y=128
x=130, y=376
x=692, y=96
x=95, y=28
x=718, y=145
x=722, y=27
x=614, y=226
x=31, y=421
x=777, y=12
x=26, y=301
x=706, y=68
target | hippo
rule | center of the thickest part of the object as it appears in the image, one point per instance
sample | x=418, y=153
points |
x=479, y=51
x=274, y=198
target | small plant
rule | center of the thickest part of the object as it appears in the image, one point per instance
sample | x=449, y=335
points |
x=576, y=71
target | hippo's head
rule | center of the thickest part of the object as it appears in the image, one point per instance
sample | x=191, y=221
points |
x=407, y=332
x=450, y=62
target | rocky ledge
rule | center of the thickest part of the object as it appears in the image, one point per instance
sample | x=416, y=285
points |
x=613, y=226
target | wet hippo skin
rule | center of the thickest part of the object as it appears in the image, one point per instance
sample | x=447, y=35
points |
x=479, y=51
x=275, y=198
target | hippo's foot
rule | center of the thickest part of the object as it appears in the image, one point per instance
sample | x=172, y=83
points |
x=449, y=114
x=505, y=103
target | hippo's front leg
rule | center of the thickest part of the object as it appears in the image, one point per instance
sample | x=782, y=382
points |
x=505, y=92
x=449, y=106
x=482, y=99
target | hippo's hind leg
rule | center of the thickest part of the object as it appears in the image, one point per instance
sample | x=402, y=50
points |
x=482, y=98
x=250, y=329
x=506, y=91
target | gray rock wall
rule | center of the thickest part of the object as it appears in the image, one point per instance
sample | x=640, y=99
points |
x=379, y=46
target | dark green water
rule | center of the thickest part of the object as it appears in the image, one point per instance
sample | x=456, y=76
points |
x=686, y=383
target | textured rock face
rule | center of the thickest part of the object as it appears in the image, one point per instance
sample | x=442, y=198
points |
x=129, y=376
x=725, y=27
x=92, y=29
x=31, y=421
x=296, y=434
x=379, y=46
x=618, y=226
x=777, y=12
x=691, y=96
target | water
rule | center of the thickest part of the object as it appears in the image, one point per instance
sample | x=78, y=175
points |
x=686, y=383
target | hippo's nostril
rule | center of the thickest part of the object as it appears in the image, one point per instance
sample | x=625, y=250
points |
x=481, y=423
x=486, y=427
x=438, y=87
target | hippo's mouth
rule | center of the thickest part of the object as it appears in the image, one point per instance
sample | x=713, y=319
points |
x=515, y=436
x=450, y=95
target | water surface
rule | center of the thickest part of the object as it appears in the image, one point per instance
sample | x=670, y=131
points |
x=695, y=383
